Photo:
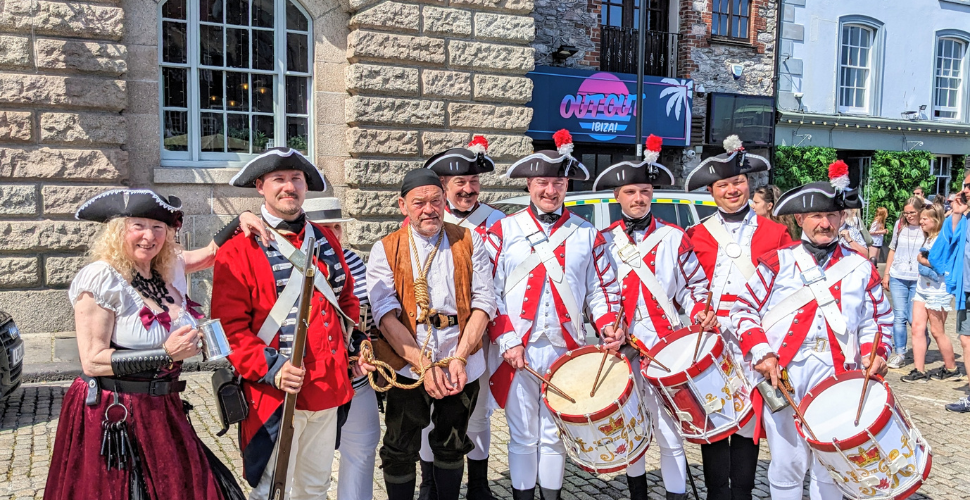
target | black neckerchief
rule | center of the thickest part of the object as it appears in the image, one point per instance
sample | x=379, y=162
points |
x=294, y=226
x=544, y=217
x=821, y=253
x=736, y=216
x=461, y=214
x=641, y=224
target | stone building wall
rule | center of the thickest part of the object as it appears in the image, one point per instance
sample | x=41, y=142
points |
x=423, y=78
x=574, y=23
x=63, y=91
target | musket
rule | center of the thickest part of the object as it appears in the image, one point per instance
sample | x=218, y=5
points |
x=284, y=442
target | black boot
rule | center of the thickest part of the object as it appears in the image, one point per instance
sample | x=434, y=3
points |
x=676, y=496
x=528, y=494
x=427, y=489
x=638, y=487
x=478, y=480
x=549, y=494
x=400, y=491
x=448, y=482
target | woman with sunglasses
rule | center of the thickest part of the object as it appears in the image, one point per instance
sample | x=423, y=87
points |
x=902, y=275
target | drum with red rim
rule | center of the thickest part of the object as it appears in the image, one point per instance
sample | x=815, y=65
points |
x=709, y=397
x=882, y=457
x=605, y=432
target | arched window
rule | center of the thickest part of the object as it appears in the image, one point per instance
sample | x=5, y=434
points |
x=855, y=67
x=235, y=79
x=948, y=81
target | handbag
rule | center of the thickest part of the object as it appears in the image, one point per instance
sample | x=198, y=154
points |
x=230, y=398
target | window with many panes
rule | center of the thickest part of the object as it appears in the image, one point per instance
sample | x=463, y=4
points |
x=855, y=68
x=235, y=78
x=940, y=169
x=730, y=18
x=948, y=81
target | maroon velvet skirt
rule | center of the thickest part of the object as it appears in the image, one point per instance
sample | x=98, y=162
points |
x=173, y=462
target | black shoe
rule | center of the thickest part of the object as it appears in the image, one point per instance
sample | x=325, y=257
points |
x=400, y=491
x=528, y=494
x=915, y=376
x=638, y=487
x=549, y=494
x=478, y=481
x=448, y=482
x=942, y=373
x=676, y=496
x=427, y=490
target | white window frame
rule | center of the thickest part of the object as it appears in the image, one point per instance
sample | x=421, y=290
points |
x=960, y=109
x=860, y=66
x=873, y=89
x=193, y=157
x=941, y=168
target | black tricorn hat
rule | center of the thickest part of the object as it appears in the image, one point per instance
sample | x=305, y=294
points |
x=627, y=172
x=132, y=203
x=471, y=160
x=734, y=162
x=816, y=197
x=549, y=163
x=274, y=159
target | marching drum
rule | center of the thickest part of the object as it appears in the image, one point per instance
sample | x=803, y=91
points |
x=709, y=397
x=605, y=432
x=882, y=457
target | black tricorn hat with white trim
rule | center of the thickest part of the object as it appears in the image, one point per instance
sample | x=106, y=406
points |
x=732, y=163
x=471, y=160
x=816, y=197
x=132, y=203
x=548, y=163
x=274, y=159
x=646, y=172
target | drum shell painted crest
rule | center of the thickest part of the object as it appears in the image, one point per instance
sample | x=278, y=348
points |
x=578, y=430
x=710, y=399
x=860, y=465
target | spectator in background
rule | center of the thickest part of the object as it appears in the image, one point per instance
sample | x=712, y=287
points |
x=763, y=202
x=878, y=231
x=950, y=255
x=850, y=234
x=919, y=193
x=902, y=273
x=930, y=306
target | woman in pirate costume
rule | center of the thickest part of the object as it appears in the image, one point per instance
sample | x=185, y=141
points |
x=124, y=431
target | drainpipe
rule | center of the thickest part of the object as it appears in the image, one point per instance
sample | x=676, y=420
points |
x=641, y=57
x=775, y=78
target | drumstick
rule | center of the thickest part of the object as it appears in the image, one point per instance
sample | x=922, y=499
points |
x=798, y=413
x=551, y=385
x=606, y=353
x=865, y=383
x=633, y=342
x=700, y=334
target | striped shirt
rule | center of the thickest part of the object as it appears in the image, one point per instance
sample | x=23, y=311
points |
x=359, y=271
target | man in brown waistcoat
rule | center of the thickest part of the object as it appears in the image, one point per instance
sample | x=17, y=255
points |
x=430, y=288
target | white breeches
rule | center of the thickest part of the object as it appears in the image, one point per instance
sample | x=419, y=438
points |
x=358, y=447
x=311, y=457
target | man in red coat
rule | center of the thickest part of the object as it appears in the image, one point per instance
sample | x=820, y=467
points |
x=253, y=296
x=728, y=245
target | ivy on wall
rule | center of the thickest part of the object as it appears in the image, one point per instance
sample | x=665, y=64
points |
x=795, y=166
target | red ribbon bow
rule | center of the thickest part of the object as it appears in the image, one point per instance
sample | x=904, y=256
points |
x=148, y=317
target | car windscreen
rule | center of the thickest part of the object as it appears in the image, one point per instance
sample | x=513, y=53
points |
x=666, y=212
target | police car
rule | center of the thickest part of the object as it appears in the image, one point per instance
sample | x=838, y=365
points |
x=601, y=209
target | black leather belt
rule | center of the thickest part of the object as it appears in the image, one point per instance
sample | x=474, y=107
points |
x=440, y=321
x=159, y=387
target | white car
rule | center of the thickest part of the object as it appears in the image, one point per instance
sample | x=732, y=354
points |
x=601, y=209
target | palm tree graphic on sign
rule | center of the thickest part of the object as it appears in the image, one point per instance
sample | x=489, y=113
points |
x=677, y=95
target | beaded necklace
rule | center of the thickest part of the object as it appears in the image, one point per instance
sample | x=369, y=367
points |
x=153, y=288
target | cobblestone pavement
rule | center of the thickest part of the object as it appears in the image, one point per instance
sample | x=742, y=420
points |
x=28, y=421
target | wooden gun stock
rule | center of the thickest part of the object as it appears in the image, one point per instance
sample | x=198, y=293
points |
x=284, y=442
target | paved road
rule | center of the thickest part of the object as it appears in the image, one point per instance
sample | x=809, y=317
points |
x=28, y=422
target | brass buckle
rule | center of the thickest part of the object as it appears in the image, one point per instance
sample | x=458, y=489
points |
x=629, y=253
x=821, y=344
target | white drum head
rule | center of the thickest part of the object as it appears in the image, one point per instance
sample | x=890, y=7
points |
x=679, y=354
x=575, y=377
x=831, y=414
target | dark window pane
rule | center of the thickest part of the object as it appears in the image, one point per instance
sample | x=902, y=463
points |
x=237, y=48
x=212, y=132
x=210, y=89
x=237, y=91
x=173, y=42
x=743, y=33
x=724, y=25
x=262, y=93
x=685, y=216
x=666, y=212
x=616, y=16
x=297, y=133
x=734, y=26
x=295, y=20
x=176, y=132
x=210, y=11
x=262, y=133
x=210, y=38
x=744, y=7
x=238, y=133
x=297, y=52
x=237, y=12
x=584, y=211
x=704, y=211
x=263, y=56
x=174, y=9
x=174, y=88
x=263, y=13
x=296, y=95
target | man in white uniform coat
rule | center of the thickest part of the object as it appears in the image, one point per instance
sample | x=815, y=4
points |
x=548, y=264
x=815, y=334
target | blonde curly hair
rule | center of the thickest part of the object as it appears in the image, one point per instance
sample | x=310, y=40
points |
x=109, y=246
